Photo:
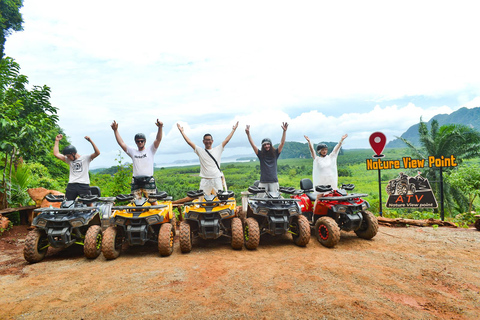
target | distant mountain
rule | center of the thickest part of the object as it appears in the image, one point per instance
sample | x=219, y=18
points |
x=463, y=116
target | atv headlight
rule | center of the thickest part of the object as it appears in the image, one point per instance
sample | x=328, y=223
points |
x=225, y=213
x=263, y=211
x=293, y=210
x=76, y=223
x=41, y=223
x=120, y=221
x=341, y=209
x=152, y=220
x=192, y=215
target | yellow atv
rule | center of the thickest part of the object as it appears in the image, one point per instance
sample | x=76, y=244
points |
x=210, y=218
x=140, y=222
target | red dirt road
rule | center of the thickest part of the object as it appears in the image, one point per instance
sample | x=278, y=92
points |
x=402, y=273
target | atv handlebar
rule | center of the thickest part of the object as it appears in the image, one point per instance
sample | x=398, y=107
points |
x=55, y=198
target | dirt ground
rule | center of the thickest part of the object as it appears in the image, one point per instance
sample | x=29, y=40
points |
x=402, y=273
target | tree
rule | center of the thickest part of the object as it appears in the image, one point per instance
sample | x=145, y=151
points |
x=466, y=179
x=447, y=140
x=26, y=120
x=10, y=20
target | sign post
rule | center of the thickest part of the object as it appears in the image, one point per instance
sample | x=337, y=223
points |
x=378, y=141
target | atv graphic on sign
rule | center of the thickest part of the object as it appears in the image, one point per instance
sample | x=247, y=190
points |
x=410, y=192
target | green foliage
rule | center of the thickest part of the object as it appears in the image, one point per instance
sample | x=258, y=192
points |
x=10, y=20
x=26, y=119
x=466, y=179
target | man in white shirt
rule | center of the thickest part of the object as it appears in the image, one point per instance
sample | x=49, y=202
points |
x=78, y=180
x=210, y=159
x=143, y=182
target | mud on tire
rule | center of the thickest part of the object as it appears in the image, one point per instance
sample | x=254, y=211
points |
x=237, y=234
x=112, y=243
x=300, y=231
x=165, y=239
x=369, y=227
x=185, y=235
x=327, y=232
x=92, y=245
x=251, y=233
x=36, y=246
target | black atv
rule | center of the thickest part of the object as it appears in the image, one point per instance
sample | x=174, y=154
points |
x=73, y=223
x=210, y=218
x=275, y=215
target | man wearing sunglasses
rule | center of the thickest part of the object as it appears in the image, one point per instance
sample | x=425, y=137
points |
x=143, y=182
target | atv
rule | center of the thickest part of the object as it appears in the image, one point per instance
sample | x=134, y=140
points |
x=275, y=215
x=73, y=223
x=140, y=222
x=336, y=210
x=210, y=217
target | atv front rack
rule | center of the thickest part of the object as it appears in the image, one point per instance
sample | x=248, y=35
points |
x=344, y=198
x=64, y=209
x=207, y=202
x=139, y=209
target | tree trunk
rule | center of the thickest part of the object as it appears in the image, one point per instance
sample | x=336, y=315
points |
x=400, y=222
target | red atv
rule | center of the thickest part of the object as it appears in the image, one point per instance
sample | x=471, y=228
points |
x=336, y=210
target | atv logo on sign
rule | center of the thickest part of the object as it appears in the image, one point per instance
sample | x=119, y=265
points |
x=410, y=192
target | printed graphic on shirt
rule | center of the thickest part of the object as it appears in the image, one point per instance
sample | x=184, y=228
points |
x=77, y=166
x=141, y=156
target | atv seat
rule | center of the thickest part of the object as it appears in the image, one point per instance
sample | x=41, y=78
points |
x=307, y=186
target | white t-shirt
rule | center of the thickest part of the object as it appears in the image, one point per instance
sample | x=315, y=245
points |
x=142, y=160
x=325, y=169
x=79, y=169
x=208, y=168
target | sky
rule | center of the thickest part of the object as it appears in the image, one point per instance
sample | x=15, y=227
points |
x=325, y=67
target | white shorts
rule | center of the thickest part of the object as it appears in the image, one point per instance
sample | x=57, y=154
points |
x=270, y=187
x=211, y=186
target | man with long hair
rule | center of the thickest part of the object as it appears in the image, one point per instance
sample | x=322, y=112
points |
x=268, y=157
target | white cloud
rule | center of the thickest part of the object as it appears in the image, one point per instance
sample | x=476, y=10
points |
x=208, y=64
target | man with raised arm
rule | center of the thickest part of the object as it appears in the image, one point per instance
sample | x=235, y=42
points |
x=210, y=159
x=268, y=157
x=78, y=180
x=143, y=182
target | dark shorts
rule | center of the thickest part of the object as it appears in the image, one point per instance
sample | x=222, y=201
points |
x=143, y=183
x=77, y=189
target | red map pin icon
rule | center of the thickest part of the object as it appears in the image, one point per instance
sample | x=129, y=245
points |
x=378, y=141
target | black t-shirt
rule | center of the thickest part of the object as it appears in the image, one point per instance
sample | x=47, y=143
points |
x=268, y=166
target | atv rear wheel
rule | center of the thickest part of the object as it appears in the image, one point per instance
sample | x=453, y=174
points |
x=300, y=230
x=36, y=246
x=185, y=237
x=327, y=232
x=237, y=234
x=251, y=233
x=112, y=243
x=165, y=239
x=92, y=245
x=369, y=227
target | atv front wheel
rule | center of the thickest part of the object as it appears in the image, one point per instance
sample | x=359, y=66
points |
x=237, y=234
x=165, y=239
x=369, y=227
x=92, y=245
x=327, y=231
x=300, y=230
x=112, y=243
x=36, y=246
x=477, y=224
x=251, y=233
x=185, y=237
